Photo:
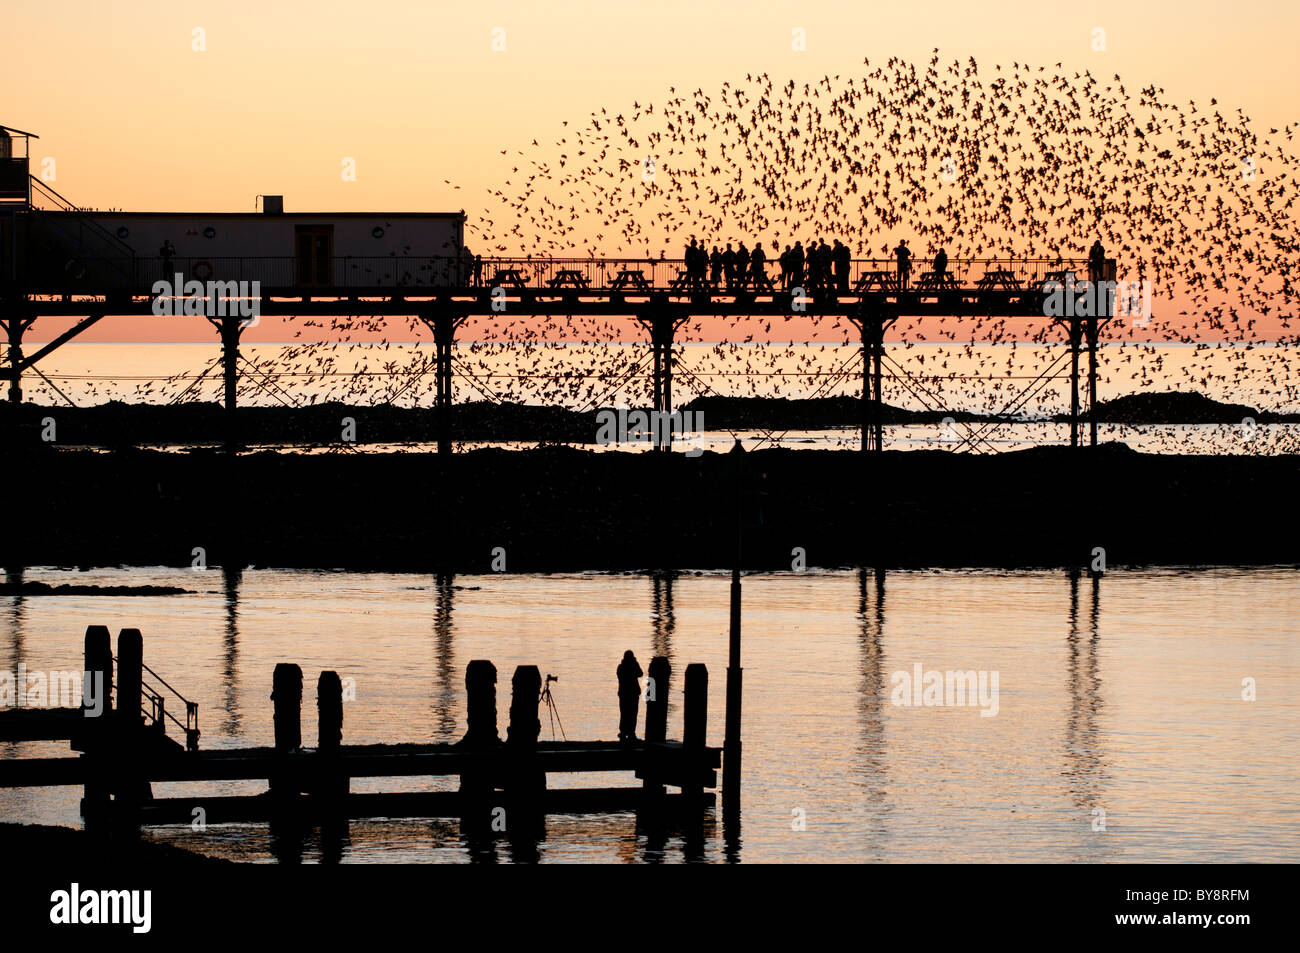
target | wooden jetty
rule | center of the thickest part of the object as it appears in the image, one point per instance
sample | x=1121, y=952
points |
x=126, y=749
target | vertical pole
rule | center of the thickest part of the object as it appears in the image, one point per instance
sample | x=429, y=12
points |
x=1092, y=380
x=867, y=429
x=99, y=669
x=131, y=786
x=731, y=747
x=656, y=706
x=878, y=398
x=1076, y=335
x=130, y=674
x=286, y=695
x=333, y=784
x=329, y=712
x=481, y=703
x=525, y=784
x=230, y=329
x=15, y=326
x=444, y=336
x=694, y=719
x=656, y=727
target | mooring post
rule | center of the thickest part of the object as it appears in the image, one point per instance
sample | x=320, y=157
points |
x=525, y=783
x=130, y=677
x=656, y=706
x=656, y=728
x=477, y=783
x=333, y=785
x=131, y=787
x=286, y=695
x=94, y=730
x=481, y=703
x=695, y=717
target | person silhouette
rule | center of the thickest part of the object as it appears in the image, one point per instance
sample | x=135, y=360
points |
x=715, y=263
x=1096, y=262
x=904, y=256
x=940, y=266
x=842, y=258
x=629, y=696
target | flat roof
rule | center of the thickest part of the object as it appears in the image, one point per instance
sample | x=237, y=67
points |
x=266, y=215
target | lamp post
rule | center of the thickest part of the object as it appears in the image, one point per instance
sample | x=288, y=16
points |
x=731, y=742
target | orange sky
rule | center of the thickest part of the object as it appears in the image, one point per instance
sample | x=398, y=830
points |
x=134, y=117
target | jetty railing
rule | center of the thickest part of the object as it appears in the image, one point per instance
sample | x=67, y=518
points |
x=287, y=275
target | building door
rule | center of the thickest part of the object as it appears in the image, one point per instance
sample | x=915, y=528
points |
x=315, y=244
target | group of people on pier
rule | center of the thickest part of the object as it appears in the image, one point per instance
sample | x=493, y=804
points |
x=819, y=267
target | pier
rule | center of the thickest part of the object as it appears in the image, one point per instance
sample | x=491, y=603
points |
x=502, y=783
x=63, y=261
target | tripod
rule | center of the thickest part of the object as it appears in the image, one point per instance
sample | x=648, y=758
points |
x=552, y=712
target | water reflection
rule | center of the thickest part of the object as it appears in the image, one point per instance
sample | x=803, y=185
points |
x=231, y=576
x=1084, y=756
x=444, y=655
x=17, y=615
x=664, y=621
x=871, y=700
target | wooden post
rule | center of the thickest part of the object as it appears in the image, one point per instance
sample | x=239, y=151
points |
x=130, y=788
x=329, y=712
x=130, y=674
x=656, y=707
x=477, y=785
x=656, y=727
x=525, y=690
x=99, y=668
x=94, y=737
x=333, y=785
x=695, y=718
x=286, y=694
x=481, y=703
x=525, y=783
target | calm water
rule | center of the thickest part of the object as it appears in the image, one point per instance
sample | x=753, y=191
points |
x=1123, y=697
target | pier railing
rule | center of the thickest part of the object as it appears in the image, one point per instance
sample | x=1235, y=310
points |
x=631, y=277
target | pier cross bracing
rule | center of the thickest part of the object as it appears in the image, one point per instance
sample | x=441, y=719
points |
x=64, y=261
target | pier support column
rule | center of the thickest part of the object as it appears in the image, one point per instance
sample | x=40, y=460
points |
x=230, y=327
x=286, y=695
x=332, y=783
x=872, y=324
x=15, y=326
x=443, y=322
x=662, y=323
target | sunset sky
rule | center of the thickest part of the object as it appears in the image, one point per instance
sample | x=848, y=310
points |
x=134, y=115
x=136, y=119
